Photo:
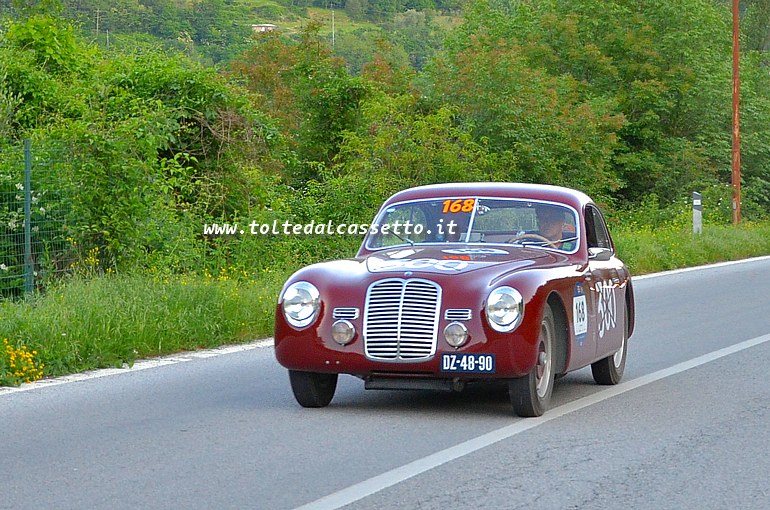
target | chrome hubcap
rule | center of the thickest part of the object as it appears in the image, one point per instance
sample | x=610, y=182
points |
x=544, y=362
x=617, y=359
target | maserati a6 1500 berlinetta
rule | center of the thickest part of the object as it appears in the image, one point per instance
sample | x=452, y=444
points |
x=458, y=284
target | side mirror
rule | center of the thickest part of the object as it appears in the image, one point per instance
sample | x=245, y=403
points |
x=599, y=254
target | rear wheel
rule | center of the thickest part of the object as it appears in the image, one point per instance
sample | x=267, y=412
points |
x=312, y=389
x=530, y=395
x=609, y=371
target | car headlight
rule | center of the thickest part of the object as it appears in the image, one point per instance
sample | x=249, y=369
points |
x=343, y=332
x=300, y=304
x=456, y=334
x=505, y=309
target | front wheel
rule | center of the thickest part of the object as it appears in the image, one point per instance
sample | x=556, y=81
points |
x=530, y=395
x=312, y=389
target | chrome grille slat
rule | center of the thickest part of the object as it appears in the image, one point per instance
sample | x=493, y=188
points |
x=401, y=319
x=346, y=313
x=457, y=314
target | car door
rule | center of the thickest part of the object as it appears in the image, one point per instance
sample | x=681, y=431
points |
x=606, y=300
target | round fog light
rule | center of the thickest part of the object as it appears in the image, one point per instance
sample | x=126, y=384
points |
x=455, y=334
x=343, y=332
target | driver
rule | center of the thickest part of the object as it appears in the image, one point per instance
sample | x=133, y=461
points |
x=550, y=224
x=453, y=226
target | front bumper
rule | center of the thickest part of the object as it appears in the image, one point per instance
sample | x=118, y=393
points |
x=308, y=350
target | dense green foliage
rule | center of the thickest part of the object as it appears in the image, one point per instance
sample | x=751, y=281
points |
x=628, y=101
x=142, y=146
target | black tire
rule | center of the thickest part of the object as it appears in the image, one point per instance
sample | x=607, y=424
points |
x=311, y=389
x=609, y=371
x=531, y=395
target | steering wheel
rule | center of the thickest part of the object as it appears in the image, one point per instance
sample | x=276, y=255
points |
x=536, y=237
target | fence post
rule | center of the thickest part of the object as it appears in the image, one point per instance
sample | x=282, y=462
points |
x=29, y=276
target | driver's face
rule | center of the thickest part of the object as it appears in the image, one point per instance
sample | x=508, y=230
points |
x=551, y=225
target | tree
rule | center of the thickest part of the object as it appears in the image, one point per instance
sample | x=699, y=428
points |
x=663, y=67
x=309, y=91
x=755, y=26
x=416, y=32
x=556, y=136
x=356, y=9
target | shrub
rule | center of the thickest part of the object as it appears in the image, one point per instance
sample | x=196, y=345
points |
x=18, y=365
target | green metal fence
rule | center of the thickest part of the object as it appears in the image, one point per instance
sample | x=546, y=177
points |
x=35, y=241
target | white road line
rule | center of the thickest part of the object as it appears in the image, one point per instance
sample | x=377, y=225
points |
x=373, y=485
x=139, y=365
x=699, y=268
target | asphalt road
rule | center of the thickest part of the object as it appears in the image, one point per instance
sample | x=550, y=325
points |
x=225, y=432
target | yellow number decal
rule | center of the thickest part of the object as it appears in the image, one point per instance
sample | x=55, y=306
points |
x=459, y=205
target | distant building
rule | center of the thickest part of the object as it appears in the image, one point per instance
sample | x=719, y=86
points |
x=264, y=27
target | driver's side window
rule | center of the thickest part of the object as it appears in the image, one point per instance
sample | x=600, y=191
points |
x=596, y=230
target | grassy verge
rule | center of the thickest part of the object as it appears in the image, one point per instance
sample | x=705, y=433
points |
x=112, y=320
x=648, y=250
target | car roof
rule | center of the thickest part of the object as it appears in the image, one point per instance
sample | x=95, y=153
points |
x=524, y=191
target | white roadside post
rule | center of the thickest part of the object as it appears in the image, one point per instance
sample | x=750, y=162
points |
x=697, y=213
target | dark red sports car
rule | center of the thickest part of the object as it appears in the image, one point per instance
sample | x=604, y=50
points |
x=461, y=283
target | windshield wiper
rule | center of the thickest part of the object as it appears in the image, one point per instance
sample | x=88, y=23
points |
x=405, y=239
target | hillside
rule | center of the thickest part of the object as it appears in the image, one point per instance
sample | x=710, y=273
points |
x=215, y=31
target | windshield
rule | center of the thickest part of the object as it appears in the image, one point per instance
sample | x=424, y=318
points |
x=547, y=225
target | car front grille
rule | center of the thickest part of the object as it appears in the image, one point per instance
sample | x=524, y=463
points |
x=401, y=319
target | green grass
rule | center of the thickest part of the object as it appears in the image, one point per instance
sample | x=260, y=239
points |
x=647, y=250
x=112, y=320
x=342, y=22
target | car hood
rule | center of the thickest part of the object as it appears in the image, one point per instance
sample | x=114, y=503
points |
x=457, y=259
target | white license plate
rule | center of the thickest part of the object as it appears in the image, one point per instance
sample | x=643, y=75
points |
x=468, y=362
